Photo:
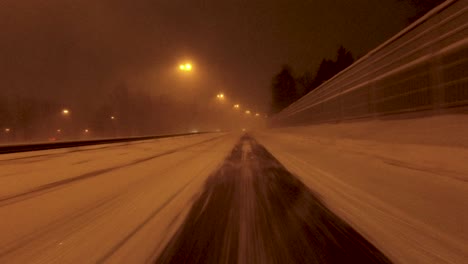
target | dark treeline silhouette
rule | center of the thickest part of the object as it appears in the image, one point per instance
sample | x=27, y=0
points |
x=286, y=88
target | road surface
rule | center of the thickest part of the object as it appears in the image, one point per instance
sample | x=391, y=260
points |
x=106, y=203
x=402, y=183
x=224, y=198
x=252, y=210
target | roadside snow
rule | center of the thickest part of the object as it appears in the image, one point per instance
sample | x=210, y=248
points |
x=402, y=183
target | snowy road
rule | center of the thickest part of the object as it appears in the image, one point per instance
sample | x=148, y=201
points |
x=252, y=210
x=403, y=184
x=115, y=203
x=220, y=196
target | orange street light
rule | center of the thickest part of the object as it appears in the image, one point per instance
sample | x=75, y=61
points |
x=236, y=106
x=185, y=67
x=220, y=96
x=247, y=112
x=65, y=111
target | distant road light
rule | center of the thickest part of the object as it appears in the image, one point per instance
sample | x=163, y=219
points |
x=59, y=130
x=247, y=112
x=220, y=96
x=65, y=112
x=86, y=130
x=236, y=106
x=185, y=67
x=112, y=117
x=257, y=114
x=7, y=130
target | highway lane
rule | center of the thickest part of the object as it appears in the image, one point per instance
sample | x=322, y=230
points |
x=169, y=200
x=402, y=188
x=101, y=203
x=24, y=172
x=252, y=210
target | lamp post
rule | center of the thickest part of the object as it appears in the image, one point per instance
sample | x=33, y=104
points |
x=114, y=125
x=66, y=126
x=187, y=68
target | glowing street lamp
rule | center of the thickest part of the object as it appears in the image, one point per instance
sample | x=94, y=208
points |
x=185, y=67
x=236, y=106
x=257, y=114
x=86, y=130
x=247, y=112
x=220, y=96
x=65, y=112
x=7, y=130
x=59, y=130
x=112, y=117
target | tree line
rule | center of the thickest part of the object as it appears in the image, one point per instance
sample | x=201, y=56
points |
x=286, y=88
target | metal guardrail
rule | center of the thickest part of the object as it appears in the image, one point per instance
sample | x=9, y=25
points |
x=68, y=144
x=423, y=67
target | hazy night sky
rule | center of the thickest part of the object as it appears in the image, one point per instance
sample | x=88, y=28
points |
x=76, y=51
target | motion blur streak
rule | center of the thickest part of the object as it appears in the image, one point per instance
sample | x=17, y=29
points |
x=254, y=211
